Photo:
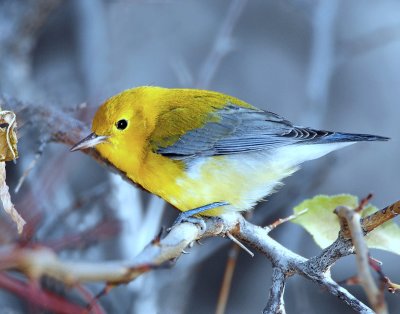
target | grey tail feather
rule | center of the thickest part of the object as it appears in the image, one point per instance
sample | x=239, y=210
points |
x=335, y=137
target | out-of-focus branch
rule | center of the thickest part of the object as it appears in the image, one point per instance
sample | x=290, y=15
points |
x=382, y=36
x=351, y=220
x=222, y=44
x=321, y=59
x=227, y=280
x=40, y=261
x=21, y=22
x=35, y=295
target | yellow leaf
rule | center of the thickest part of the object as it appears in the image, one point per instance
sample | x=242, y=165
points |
x=8, y=136
x=319, y=220
x=323, y=224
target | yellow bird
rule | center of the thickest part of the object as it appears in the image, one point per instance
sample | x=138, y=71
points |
x=204, y=152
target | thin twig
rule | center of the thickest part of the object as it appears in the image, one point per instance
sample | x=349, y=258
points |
x=364, y=202
x=31, y=165
x=227, y=280
x=289, y=218
x=376, y=219
x=377, y=266
x=233, y=255
x=243, y=247
x=375, y=295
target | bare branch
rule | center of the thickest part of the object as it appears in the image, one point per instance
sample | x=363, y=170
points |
x=376, y=219
x=40, y=261
x=276, y=304
x=338, y=291
x=37, y=262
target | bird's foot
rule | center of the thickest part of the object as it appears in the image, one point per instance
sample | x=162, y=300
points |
x=189, y=216
x=198, y=221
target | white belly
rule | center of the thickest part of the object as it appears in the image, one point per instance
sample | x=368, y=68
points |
x=242, y=179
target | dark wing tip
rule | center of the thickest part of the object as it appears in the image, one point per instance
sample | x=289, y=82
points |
x=361, y=137
x=379, y=138
x=349, y=137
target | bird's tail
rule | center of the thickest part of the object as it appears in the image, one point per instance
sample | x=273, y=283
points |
x=325, y=142
x=337, y=137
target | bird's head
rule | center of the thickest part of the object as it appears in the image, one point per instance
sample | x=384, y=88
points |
x=119, y=126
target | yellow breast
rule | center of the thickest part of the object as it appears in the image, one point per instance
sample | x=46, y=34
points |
x=241, y=180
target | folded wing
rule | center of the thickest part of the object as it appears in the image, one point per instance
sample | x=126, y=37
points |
x=235, y=129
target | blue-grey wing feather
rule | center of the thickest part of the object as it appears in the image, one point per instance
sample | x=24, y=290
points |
x=241, y=130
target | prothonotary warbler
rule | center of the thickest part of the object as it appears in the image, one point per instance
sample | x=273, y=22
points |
x=202, y=151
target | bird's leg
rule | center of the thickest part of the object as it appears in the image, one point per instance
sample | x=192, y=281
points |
x=188, y=216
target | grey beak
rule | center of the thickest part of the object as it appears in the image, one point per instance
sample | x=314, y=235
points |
x=89, y=141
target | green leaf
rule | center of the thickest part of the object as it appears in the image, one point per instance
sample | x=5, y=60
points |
x=319, y=220
x=323, y=224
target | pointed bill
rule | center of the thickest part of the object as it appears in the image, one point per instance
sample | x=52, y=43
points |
x=89, y=141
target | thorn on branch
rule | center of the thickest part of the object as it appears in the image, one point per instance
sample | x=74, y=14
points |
x=199, y=242
x=283, y=220
x=364, y=202
x=93, y=302
x=159, y=236
x=241, y=245
x=93, y=306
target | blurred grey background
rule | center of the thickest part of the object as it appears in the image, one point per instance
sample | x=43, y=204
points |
x=330, y=64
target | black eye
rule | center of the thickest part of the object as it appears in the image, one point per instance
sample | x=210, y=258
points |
x=122, y=124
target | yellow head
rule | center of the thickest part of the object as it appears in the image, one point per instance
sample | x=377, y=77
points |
x=121, y=127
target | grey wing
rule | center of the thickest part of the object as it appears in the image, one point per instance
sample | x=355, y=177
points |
x=239, y=130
